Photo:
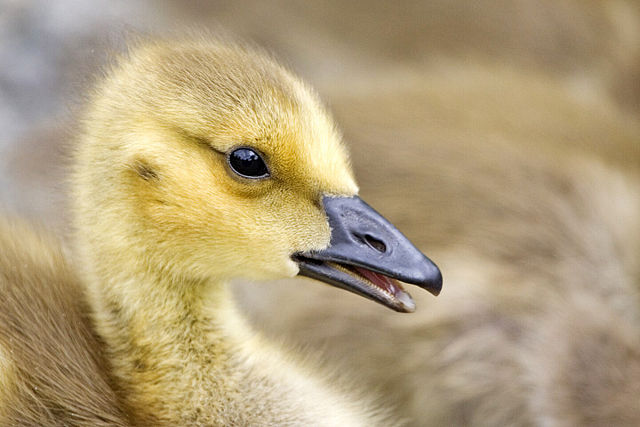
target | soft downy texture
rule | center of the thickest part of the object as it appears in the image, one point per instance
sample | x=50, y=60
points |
x=43, y=313
x=163, y=223
x=143, y=318
x=503, y=75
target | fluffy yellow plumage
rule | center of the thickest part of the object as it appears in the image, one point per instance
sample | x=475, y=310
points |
x=155, y=197
x=164, y=220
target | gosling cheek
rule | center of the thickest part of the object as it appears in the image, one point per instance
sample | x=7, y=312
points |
x=282, y=267
x=317, y=241
x=311, y=236
x=269, y=271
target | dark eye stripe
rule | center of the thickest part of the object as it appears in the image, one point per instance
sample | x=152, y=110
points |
x=247, y=163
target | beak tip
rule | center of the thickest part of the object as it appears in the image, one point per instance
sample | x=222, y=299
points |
x=433, y=280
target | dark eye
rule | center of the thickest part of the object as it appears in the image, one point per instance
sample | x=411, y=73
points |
x=247, y=163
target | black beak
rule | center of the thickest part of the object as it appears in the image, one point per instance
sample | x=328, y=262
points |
x=366, y=254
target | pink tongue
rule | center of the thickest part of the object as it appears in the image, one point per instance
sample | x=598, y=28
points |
x=384, y=282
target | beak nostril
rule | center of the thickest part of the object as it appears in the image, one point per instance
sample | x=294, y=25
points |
x=376, y=244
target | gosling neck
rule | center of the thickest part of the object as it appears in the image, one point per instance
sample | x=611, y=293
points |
x=153, y=302
x=166, y=338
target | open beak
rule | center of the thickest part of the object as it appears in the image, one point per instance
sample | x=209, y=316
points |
x=367, y=255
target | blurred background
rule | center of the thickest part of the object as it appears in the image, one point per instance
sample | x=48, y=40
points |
x=503, y=137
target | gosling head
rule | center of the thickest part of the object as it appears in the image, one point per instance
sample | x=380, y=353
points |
x=206, y=161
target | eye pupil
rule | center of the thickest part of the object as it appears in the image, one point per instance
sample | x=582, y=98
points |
x=247, y=163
